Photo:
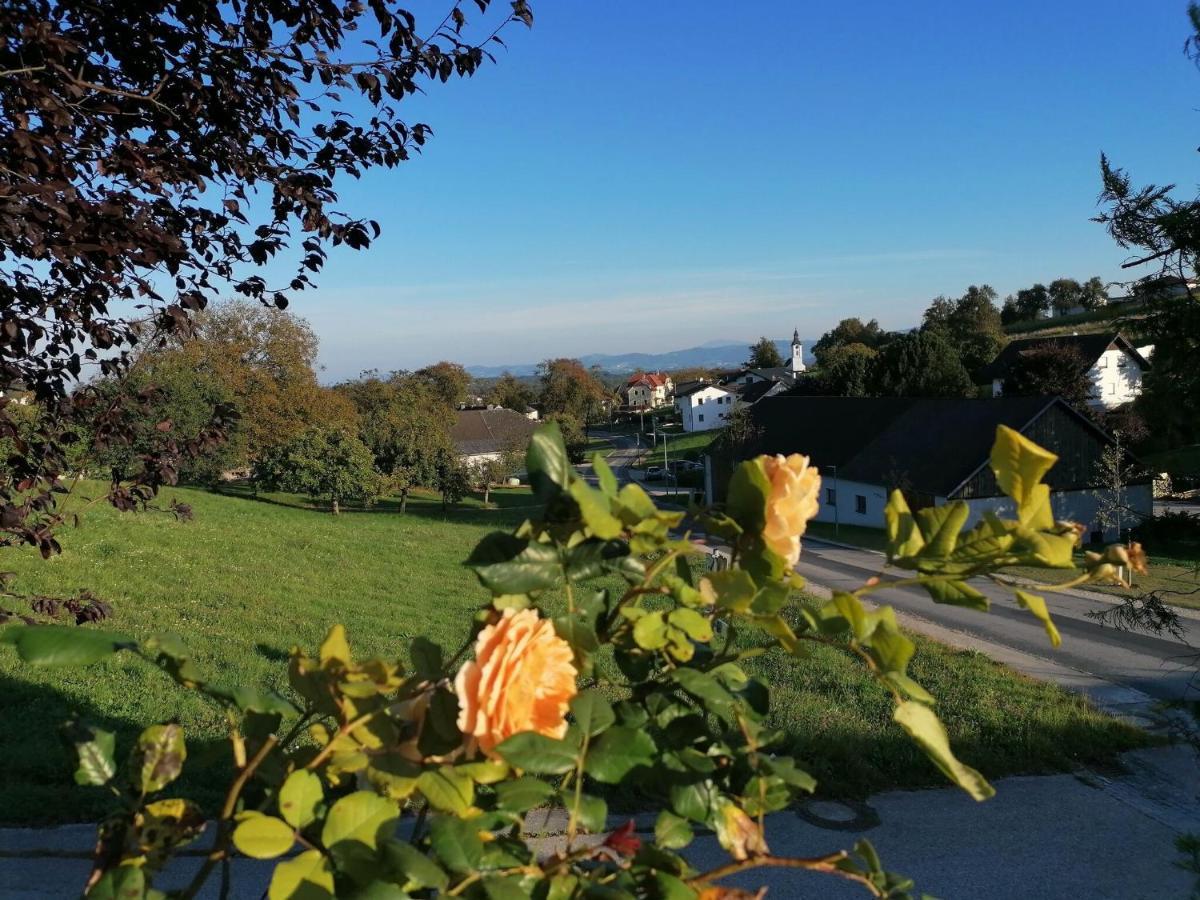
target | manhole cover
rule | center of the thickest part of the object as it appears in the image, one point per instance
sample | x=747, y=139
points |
x=838, y=815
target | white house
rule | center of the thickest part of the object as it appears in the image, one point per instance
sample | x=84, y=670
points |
x=485, y=434
x=935, y=450
x=1114, y=366
x=703, y=405
x=648, y=390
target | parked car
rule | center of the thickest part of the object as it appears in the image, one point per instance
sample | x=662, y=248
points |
x=657, y=473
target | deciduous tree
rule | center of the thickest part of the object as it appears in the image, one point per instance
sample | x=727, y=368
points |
x=921, y=364
x=511, y=393
x=1051, y=369
x=764, y=355
x=155, y=156
x=324, y=463
x=850, y=331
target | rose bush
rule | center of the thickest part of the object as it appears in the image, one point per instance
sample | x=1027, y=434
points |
x=373, y=779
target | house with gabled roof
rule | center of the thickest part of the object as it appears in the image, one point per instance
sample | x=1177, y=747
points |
x=648, y=390
x=485, y=434
x=1114, y=366
x=934, y=450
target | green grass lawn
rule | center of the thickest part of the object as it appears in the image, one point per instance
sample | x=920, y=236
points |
x=685, y=445
x=1178, y=579
x=250, y=577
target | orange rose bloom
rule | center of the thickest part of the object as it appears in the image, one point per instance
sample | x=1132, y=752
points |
x=794, y=499
x=520, y=680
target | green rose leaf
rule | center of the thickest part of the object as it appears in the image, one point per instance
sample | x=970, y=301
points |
x=254, y=699
x=299, y=798
x=63, y=645
x=748, y=492
x=157, y=758
x=406, y=861
x=903, y=535
x=593, y=713
x=604, y=475
x=617, y=752
x=447, y=790
x=940, y=526
x=363, y=817
x=94, y=748
x=1037, y=606
x=426, y=658
x=593, y=812
x=504, y=888
x=263, y=837
x=707, y=690
x=307, y=876
x=955, y=593
x=691, y=623
x=523, y=794
x=121, y=883
x=596, y=511
x=536, y=567
x=456, y=843
x=924, y=727
x=539, y=754
x=672, y=832
x=650, y=630
x=547, y=463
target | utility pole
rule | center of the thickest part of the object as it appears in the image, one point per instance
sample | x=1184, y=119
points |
x=666, y=468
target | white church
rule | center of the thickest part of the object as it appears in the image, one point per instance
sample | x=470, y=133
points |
x=705, y=405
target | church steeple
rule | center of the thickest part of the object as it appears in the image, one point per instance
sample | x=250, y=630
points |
x=797, y=353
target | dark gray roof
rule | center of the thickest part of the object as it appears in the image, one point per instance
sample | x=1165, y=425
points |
x=690, y=387
x=756, y=390
x=478, y=431
x=935, y=443
x=1090, y=346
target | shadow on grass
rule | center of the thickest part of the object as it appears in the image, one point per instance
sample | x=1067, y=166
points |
x=37, y=785
x=504, y=506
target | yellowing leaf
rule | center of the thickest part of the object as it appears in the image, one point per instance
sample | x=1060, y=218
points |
x=1037, y=606
x=299, y=796
x=263, y=837
x=360, y=817
x=335, y=647
x=1019, y=465
x=308, y=876
x=595, y=510
x=904, y=538
x=926, y=729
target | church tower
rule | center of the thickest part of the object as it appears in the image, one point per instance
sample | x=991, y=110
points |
x=797, y=353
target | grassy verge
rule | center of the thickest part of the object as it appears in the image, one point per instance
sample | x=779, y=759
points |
x=858, y=535
x=250, y=577
x=1181, y=460
x=1177, y=579
x=685, y=445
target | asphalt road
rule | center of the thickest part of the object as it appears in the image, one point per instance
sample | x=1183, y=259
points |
x=1162, y=667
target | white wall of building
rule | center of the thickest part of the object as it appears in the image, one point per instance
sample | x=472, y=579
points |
x=706, y=408
x=1116, y=379
x=1074, y=506
x=856, y=503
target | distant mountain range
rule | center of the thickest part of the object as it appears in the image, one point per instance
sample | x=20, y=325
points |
x=711, y=355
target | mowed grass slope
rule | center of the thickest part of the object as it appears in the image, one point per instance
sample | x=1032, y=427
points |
x=248, y=578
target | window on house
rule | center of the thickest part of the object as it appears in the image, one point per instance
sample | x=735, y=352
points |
x=830, y=496
x=1121, y=361
x=860, y=504
x=1104, y=362
x=701, y=417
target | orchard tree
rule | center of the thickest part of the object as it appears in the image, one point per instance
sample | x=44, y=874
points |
x=158, y=155
x=1065, y=294
x=448, y=381
x=511, y=393
x=324, y=463
x=406, y=425
x=568, y=389
x=764, y=355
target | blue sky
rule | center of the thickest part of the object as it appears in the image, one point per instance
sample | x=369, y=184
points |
x=638, y=176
